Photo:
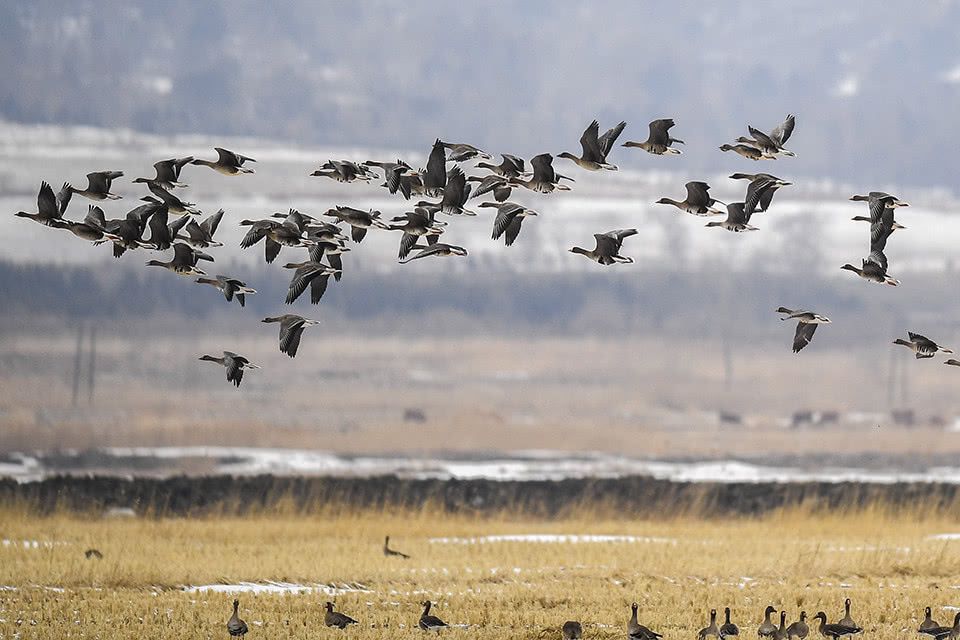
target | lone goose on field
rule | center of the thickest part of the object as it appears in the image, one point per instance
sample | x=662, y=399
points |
x=174, y=203
x=430, y=622
x=658, y=142
x=184, y=262
x=291, y=328
x=460, y=152
x=760, y=190
x=781, y=632
x=922, y=346
x=228, y=163
x=747, y=151
x=728, y=629
x=434, y=179
x=572, y=630
x=799, y=629
x=235, y=365
x=607, y=251
x=315, y=274
x=387, y=551
x=595, y=147
x=767, y=628
x=50, y=207
x=230, y=287
x=98, y=185
x=336, y=619
x=771, y=144
x=711, y=629
x=235, y=626
x=836, y=630
x=438, y=249
x=509, y=218
x=698, y=200
x=168, y=172
x=545, y=179
x=806, y=325
x=636, y=631
x=737, y=219
x=201, y=235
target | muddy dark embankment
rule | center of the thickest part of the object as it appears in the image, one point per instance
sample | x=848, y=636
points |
x=634, y=496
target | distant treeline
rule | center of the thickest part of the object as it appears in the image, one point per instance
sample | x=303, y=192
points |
x=624, y=497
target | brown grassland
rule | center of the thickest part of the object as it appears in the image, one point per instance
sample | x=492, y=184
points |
x=677, y=569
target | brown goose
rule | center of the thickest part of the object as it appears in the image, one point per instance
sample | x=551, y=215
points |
x=499, y=185
x=781, y=632
x=415, y=224
x=636, y=631
x=291, y=328
x=235, y=365
x=336, y=619
x=93, y=554
x=595, y=147
x=163, y=232
x=745, y=150
x=771, y=144
x=392, y=171
x=434, y=179
x=760, y=190
x=728, y=629
x=230, y=287
x=947, y=633
x=711, y=629
x=455, y=194
x=50, y=207
x=92, y=227
x=343, y=171
x=545, y=179
x=387, y=551
x=184, y=262
x=127, y=232
x=806, y=325
x=737, y=219
x=874, y=269
x=510, y=167
x=315, y=274
x=168, y=172
x=289, y=233
x=834, y=631
x=174, y=204
x=930, y=627
x=235, y=626
x=698, y=200
x=358, y=220
x=438, y=249
x=659, y=141
x=228, y=163
x=922, y=346
x=460, y=151
x=572, y=630
x=799, y=629
x=430, y=622
x=607, y=251
x=767, y=628
x=98, y=185
x=201, y=235
x=509, y=218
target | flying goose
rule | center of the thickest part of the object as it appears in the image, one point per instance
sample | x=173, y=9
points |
x=184, y=262
x=174, y=203
x=607, y=251
x=235, y=626
x=358, y=220
x=429, y=622
x=314, y=274
x=499, y=185
x=461, y=151
x=745, y=150
x=336, y=619
x=799, y=629
x=127, y=232
x=595, y=147
x=896, y=225
x=416, y=223
x=737, y=219
x=572, y=630
x=659, y=142
x=332, y=250
x=834, y=631
x=98, y=185
x=392, y=171
x=168, y=172
x=235, y=365
x=698, y=200
x=770, y=144
x=545, y=179
x=806, y=325
x=509, y=218
x=228, y=163
x=92, y=227
x=636, y=631
x=953, y=362
x=882, y=224
x=162, y=232
x=387, y=551
x=438, y=249
x=760, y=190
x=434, y=179
x=781, y=632
x=711, y=629
x=276, y=235
x=230, y=287
x=456, y=194
x=728, y=629
x=291, y=328
x=509, y=167
x=343, y=171
x=201, y=235
x=922, y=346
x=767, y=628
x=50, y=207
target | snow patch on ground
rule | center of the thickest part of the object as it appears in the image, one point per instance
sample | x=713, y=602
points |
x=541, y=538
x=278, y=587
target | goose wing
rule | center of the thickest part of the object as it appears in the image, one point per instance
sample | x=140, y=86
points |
x=512, y=165
x=63, y=198
x=227, y=157
x=47, y=202
x=210, y=224
x=782, y=132
x=318, y=286
x=95, y=218
x=763, y=139
x=698, y=194
x=506, y=213
x=756, y=190
x=589, y=143
x=543, y=168
x=881, y=229
x=290, y=330
x=659, y=131
x=436, y=175
x=302, y=277
x=607, y=139
x=803, y=336
x=513, y=230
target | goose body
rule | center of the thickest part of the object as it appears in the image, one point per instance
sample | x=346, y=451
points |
x=607, y=249
x=434, y=179
x=658, y=142
x=235, y=364
x=173, y=203
x=799, y=629
x=291, y=328
x=595, y=148
x=771, y=144
x=636, y=631
x=834, y=631
x=711, y=629
x=545, y=179
x=698, y=201
x=227, y=163
x=438, y=249
x=50, y=206
x=460, y=152
x=358, y=220
x=168, y=172
x=728, y=629
x=737, y=219
x=760, y=190
x=572, y=630
x=235, y=626
x=387, y=551
x=509, y=218
x=343, y=171
x=201, y=235
x=767, y=628
x=781, y=631
x=430, y=622
x=922, y=346
x=98, y=185
x=392, y=172
x=93, y=227
x=807, y=322
x=747, y=151
x=184, y=261
x=229, y=287
x=316, y=275
x=336, y=619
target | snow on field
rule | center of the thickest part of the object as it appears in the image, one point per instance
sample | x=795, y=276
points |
x=542, y=538
x=278, y=587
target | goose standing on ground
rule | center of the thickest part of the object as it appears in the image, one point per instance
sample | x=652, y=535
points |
x=201, y=235
x=50, y=207
x=572, y=630
x=930, y=627
x=636, y=631
x=235, y=365
x=607, y=251
x=438, y=249
x=509, y=218
x=184, y=262
x=387, y=551
x=174, y=203
x=434, y=179
x=806, y=325
x=737, y=219
x=291, y=328
x=928, y=622
x=358, y=220
x=781, y=632
x=745, y=150
x=460, y=151
x=230, y=287
x=228, y=163
x=545, y=179
x=771, y=144
x=235, y=626
x=659, y=141
x=728, y=629
x=430, y=622
x=315, y=274
x=711, y=629
x=760, y=190
x=595, y=147
x=944, y=633
x=336, y=619
x=922, y=346
x=799, y=629
x=767, y=628
x=698, y=200
x=98, y=185
x=168, y=172
x=834, y=631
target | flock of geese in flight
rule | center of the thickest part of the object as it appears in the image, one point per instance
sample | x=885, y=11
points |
x=439, y=191
x=573, y=630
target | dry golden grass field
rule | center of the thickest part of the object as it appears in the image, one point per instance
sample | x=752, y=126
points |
x=676, y=568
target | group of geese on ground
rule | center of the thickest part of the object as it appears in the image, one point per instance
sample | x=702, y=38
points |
x=324, y=239
x=573, y=630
